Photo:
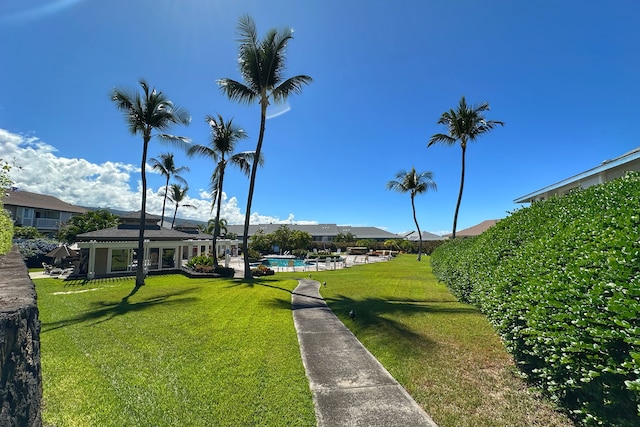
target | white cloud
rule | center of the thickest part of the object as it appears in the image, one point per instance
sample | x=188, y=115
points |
x=38, y=169
x=107, y=185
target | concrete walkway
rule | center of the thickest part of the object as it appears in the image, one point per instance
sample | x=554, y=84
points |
x=350, y=387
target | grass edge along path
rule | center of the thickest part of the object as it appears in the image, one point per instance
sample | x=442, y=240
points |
x=445, y=353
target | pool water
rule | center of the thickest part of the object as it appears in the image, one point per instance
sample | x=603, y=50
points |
x=284, y=262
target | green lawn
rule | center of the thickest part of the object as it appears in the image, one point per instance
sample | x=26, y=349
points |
x=203, y=352
x=180, y=352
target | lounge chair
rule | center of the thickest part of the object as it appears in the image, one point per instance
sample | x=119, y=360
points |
x=47, y=268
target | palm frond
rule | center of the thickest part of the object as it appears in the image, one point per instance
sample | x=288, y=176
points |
x=289, y=86
x=441, y=138
x=236, y=91
x=181, y=142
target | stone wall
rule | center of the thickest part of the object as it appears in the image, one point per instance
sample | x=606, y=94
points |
x=20, y=376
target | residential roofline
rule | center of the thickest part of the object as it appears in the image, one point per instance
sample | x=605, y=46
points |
x=604, y=166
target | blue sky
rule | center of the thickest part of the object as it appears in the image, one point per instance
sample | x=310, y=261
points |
x=562, y=75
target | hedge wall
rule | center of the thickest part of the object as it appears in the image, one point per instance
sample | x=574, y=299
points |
x=560, y=281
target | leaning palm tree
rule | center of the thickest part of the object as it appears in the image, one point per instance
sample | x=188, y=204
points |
x=166, y=166
x=413, y=183
x=262, y=64
x=464, y=124
x=177, y=194
x=224, y=137
x=146, y=115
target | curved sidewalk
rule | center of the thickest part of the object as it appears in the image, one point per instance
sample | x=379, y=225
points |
x=350, y=387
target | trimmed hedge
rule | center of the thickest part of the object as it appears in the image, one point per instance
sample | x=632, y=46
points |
x=560, y=281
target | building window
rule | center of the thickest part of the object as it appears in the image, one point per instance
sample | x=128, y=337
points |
x=119, y=259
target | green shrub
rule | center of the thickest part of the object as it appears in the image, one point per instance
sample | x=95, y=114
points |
x=26, y=233
x=6, y=231
x=560, y=281
x=262, y=270
x=203, y=260
x=33, y=251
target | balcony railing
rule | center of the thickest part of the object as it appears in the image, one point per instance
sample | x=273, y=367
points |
x=47, y=224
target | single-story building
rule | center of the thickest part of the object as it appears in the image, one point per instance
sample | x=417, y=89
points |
x=112, y=251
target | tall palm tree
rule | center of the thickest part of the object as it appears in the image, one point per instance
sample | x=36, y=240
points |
x=464, y=124
x=262, y=64
x=224, y=137
x=167, y=168
x=413, y=183
x=146, y=115
x=177, y=194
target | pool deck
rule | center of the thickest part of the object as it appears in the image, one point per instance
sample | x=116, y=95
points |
x=347, y=261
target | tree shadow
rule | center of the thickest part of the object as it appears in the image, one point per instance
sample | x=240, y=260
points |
x=103, y=311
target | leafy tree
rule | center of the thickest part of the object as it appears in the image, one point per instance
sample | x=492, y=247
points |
x=345, y=237
x=407, y=246
x=392, y=244
x=166, y=166
x=464, y=124
x=365, y=243
x=261, y=242
x=89, y=221
x=177, y=194
x=26, y=233
x=413, y=183
x=281, y=237
x=224, y=137
x=146, y=115
x=300, y=240
x=262, y=63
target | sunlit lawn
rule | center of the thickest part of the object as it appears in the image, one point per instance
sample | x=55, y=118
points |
x=180, y=352
x=204, y=352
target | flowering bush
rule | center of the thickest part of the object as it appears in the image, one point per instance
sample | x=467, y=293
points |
x=262, y=270
x=33, y=250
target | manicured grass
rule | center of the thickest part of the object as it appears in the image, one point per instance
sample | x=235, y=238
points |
x=203, y=352
x=444, y=353
x=196, y=352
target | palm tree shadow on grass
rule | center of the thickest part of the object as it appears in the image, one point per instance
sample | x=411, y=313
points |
x=103, y=311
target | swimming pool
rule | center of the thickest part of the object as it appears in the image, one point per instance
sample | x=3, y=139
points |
x=284, y=262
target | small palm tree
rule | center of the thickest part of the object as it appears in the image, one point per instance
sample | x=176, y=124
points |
x=177, y=194
x=464, y=124
x=262, y=63
x=146, y=114
x=213, y=223
x=224, y=137
x=413, y=183
x=167, y=168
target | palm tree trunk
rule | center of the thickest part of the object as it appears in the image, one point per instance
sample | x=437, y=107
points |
x=175, y=212
x=413, y=206
x=455, y=215
x=252, y=181
x=216, y=227
x=143, y=211
x=164, y=202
